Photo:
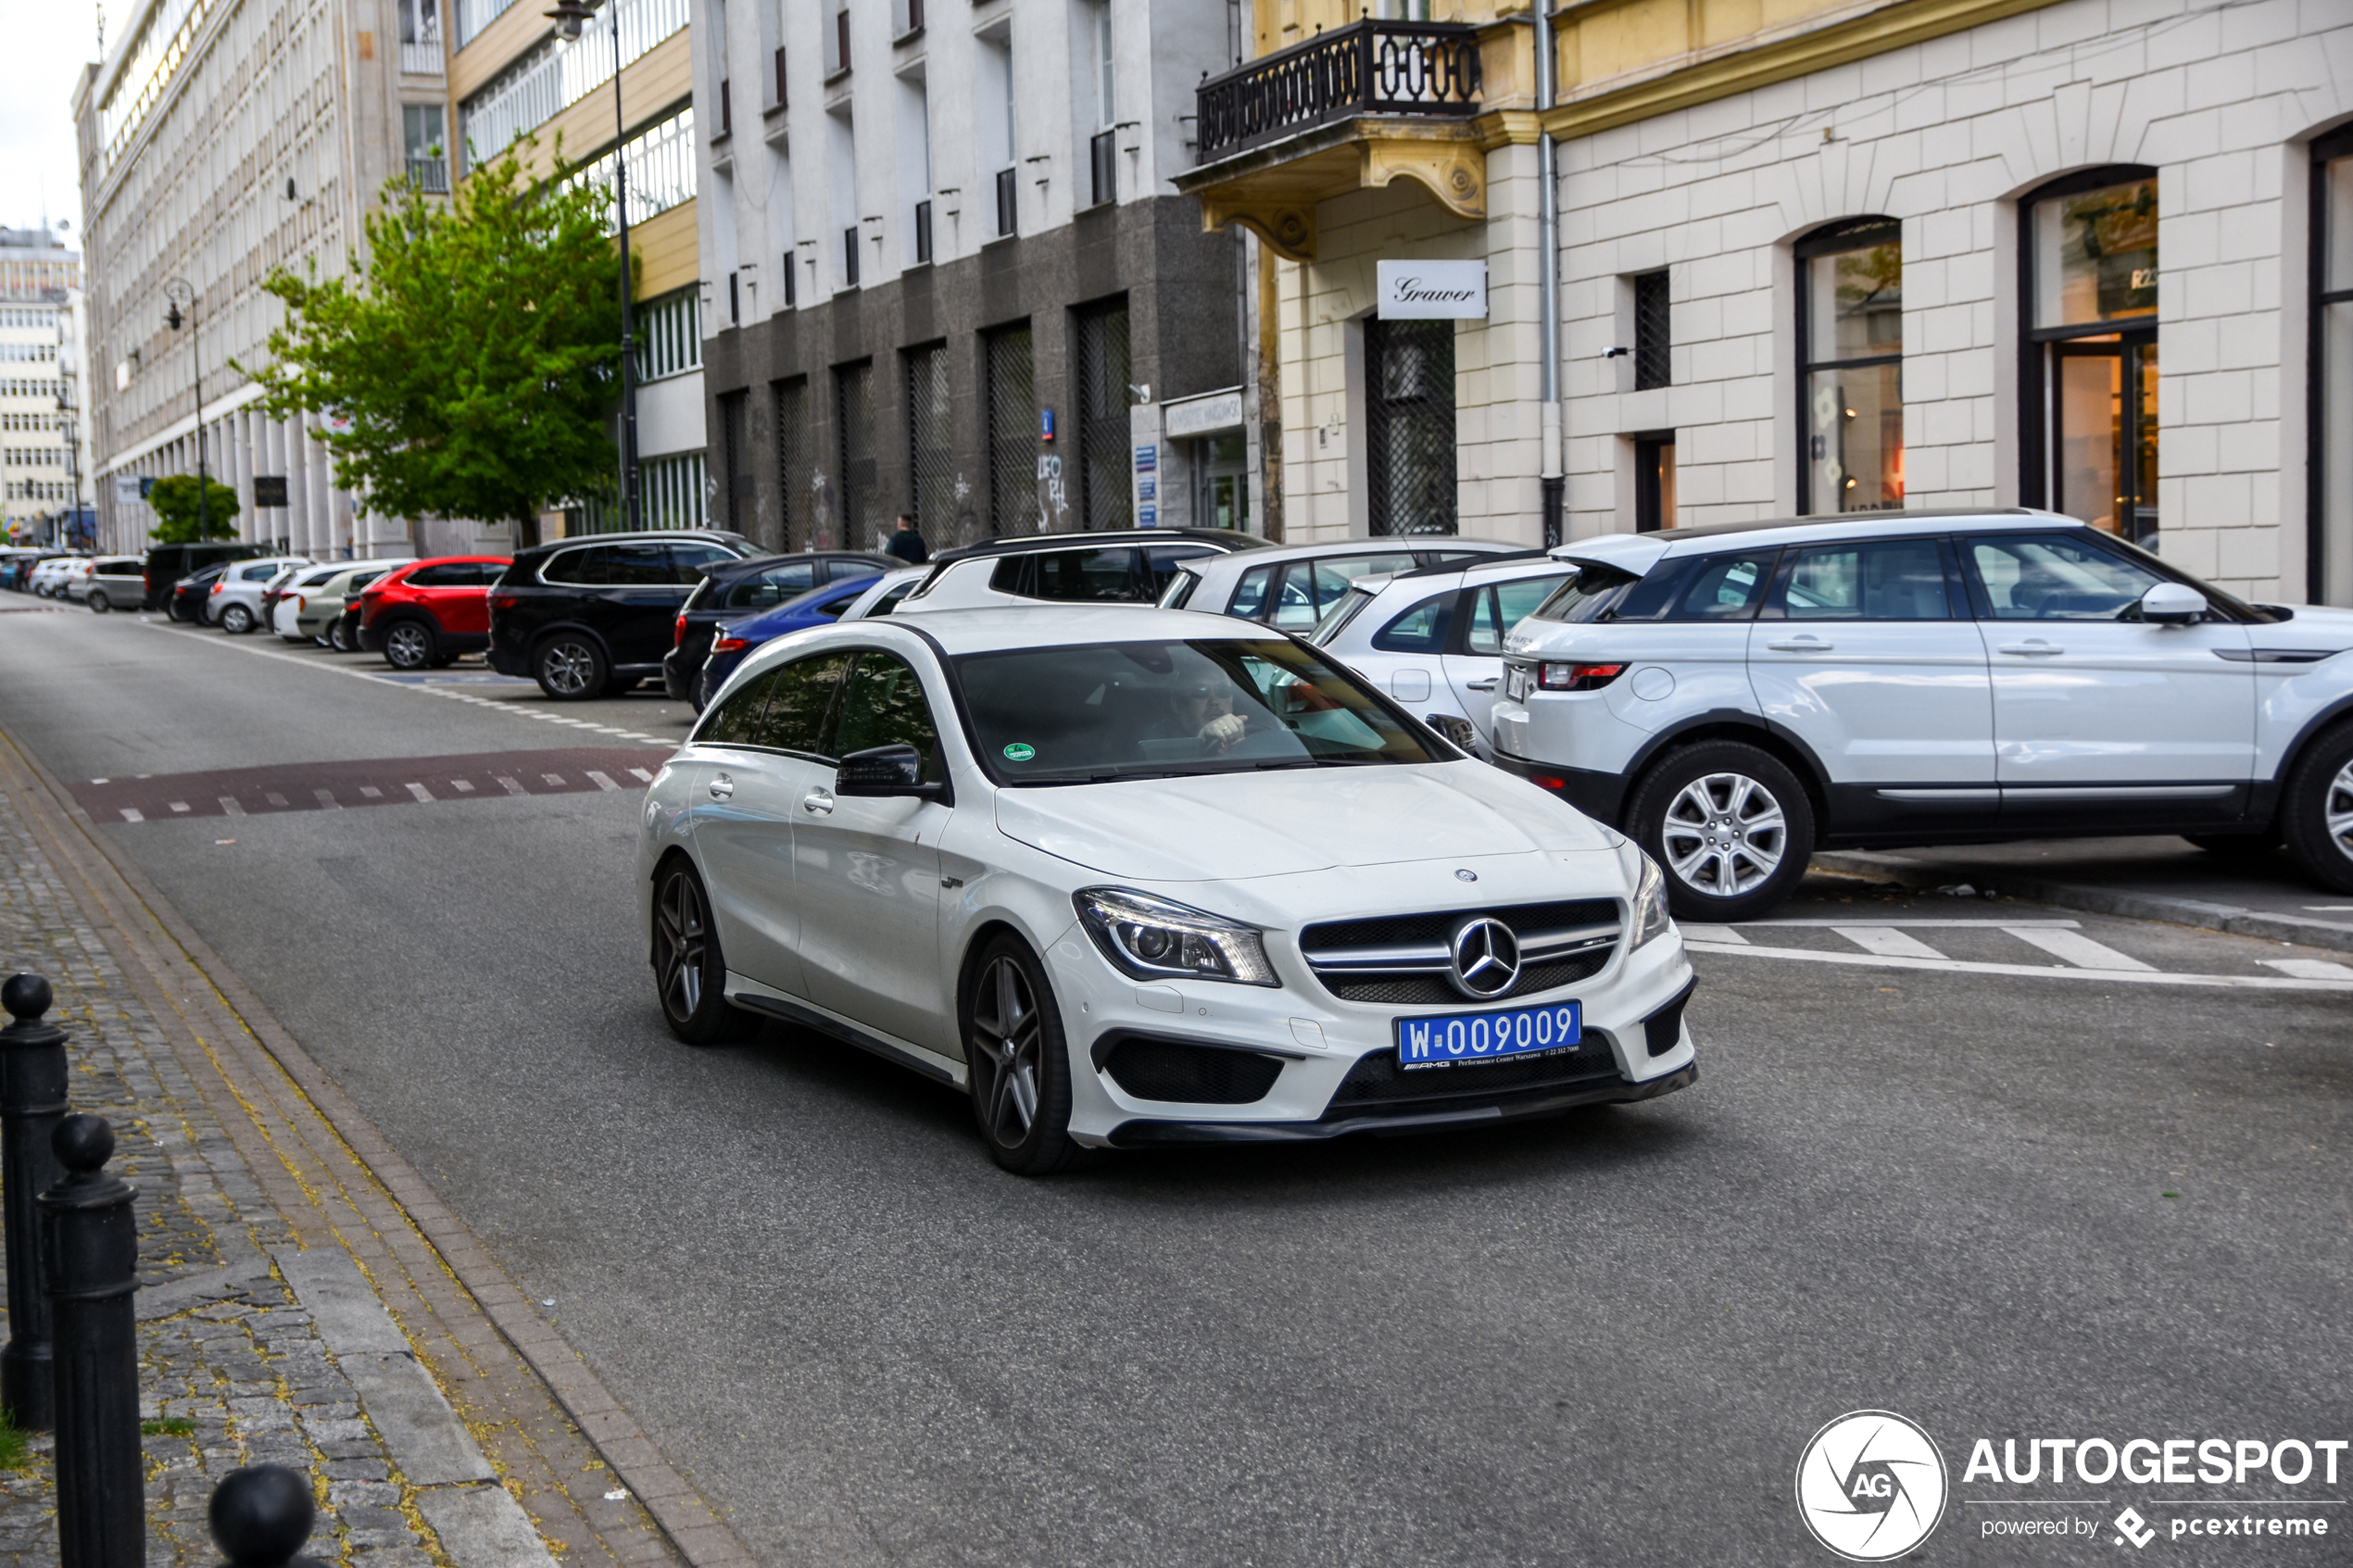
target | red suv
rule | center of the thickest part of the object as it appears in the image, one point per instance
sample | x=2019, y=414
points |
x=422, y=615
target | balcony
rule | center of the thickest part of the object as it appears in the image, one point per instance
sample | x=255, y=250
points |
x=421, y=57
x=1351, y=108
x=431, y=175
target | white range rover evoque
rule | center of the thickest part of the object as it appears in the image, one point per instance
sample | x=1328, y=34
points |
x=1139, y=877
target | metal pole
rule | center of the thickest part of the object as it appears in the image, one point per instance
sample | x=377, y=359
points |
x=1552, y=483
x=91, y=1239
x=629, y=509
x=203, y=487
x=32, y=1101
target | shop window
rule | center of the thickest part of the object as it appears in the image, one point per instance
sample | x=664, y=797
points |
x=1409, y=409
x=1850, y=334
x=2331, y=464
x=2089, y=375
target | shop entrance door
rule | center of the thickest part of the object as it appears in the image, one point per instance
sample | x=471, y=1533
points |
x=2104, y=433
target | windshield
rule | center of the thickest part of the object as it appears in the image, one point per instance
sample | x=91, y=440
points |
x=1166, y=710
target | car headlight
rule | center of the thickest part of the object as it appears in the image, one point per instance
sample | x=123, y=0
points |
x=1154, y=939
x=1649, y=904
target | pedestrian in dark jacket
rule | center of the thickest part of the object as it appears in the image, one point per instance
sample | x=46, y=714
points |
x=906, y=543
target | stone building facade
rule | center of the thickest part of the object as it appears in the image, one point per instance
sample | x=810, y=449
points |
x=43, y=373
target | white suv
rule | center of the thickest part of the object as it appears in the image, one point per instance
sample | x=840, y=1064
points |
x=1737, y=696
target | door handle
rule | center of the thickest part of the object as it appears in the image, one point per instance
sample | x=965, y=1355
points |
x=2032, y=648
x=818, y=802
x=721, y=787
x=1802, y=644
x=1486, y=685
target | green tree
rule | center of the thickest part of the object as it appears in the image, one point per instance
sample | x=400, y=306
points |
x=180, y=519
x=470, y=355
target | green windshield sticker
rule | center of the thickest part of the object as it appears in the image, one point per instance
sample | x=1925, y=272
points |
x=1019, y=753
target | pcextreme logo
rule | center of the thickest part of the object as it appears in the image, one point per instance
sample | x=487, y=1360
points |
x=1870, y=1486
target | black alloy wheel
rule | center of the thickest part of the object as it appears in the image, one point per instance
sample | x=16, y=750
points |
x=1730, y=826
x=689, y=970
x=408, y=645
x=570, y=667
x=1017, y=1062
x=236, y=620
x=2316, y=810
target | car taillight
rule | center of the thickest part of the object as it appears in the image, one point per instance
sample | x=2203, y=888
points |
x=504, y=601
x=217, y=586
x=729, y=645
x=302, y=602
x=1577, y=677
x=678, y=629
x=1548, y=781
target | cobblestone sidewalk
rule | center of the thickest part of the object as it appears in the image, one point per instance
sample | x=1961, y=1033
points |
x=291, y=1312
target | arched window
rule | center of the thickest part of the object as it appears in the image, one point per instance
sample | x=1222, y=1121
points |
x=2330, y=461
x=2088, y=379
x=1850, y=335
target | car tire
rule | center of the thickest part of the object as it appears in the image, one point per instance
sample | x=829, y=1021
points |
x=408, y=645
x=1730, y=826
x=570, y=667
x=340, y=638
x=236, y=620
x=1017, y=1060
x=2316, y=810
x=99, y=604
x=690, y=972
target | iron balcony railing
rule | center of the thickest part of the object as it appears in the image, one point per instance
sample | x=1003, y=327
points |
x=430, y=173
x=1365, y=68
x=421, y=57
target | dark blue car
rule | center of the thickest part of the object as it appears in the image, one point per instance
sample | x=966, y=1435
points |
x=735, y=641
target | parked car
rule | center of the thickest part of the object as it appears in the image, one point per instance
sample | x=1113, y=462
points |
x=233, y=603
x=169, y=564
x=1117, y=566
x=593, y=617
x=46, y=572
x=282, y=603
x=330, y=612
x=116, y=582
x=426, y=614
x=184, y=600
x=1737, y=696
x=1133, y=811
x=1433, y=638
x=15, y=563
x=1292, y=586
x=837, y=602
x=69, y=575
x=731, y=590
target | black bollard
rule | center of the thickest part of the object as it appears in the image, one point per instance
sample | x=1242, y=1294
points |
x=261, y=1517
x=90, y=1240
x=32, y=1101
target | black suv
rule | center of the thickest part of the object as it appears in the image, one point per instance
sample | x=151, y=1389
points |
x=593, y=616
x=734, y=589
x=168, y=564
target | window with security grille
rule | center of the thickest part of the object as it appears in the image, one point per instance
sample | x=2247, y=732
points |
x=795, y=499
x=931, y=433
x=854, y=422
x=1012, y=425
x=1409, y=418
x=1105, y=497
x=1653, y=338
x=737, y=501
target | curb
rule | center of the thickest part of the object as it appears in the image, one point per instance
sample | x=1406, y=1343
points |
x=2232, y=918
x=684, y=1518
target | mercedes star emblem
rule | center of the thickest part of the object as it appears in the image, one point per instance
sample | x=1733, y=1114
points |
x=1486, y=957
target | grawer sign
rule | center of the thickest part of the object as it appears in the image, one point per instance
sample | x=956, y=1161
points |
x=1872, y=1485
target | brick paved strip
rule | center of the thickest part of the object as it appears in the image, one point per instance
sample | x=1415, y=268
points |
x=383, y=781
x=535, y=1406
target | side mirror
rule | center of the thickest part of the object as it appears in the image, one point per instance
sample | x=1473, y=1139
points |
x=2171, y=604
x=885, y=772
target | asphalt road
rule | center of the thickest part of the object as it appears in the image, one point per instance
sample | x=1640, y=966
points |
x=2002, y=1193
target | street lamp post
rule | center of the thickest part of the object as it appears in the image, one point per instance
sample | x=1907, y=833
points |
x=568, y=17
x=179, y=292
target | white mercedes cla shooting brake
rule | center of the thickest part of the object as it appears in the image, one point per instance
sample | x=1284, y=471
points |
x=1135, y=877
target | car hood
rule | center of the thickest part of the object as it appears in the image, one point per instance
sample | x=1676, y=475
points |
x=1232, y=827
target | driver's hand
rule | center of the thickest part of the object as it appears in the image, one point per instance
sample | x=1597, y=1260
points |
x=1224, y=731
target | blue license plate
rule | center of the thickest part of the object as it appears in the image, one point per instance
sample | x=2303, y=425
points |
x=1483, y=1036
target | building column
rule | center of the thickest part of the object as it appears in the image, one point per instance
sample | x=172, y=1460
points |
x=293, y=445
x=322, y=513
x=240, y=440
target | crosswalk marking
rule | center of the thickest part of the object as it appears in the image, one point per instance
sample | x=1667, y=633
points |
x=643, y=776
x=1886, y=941
x=2075, y=948
x=1980, y=923
x=600, y=781
x=129, y=815
x=1694, y=932
x=2143, y=976
x=510, y=786
x=326, y=799
x=179, y=808
x=424, y=796
x=2309, y=969
x=229, y=807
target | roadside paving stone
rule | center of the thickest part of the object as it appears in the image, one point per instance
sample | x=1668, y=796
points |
x=247, y=1374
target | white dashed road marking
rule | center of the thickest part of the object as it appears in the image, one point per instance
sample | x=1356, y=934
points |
x=1886, y=941
x=1884, y=946
x=2309, y=969
x=424, y=796
x=2079, y=950
x=600, y=781
x=130, y=816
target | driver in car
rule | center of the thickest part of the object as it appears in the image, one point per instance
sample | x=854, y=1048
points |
x=1205, y=710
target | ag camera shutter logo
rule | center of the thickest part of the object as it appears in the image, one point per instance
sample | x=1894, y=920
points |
x=1871, y=1486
